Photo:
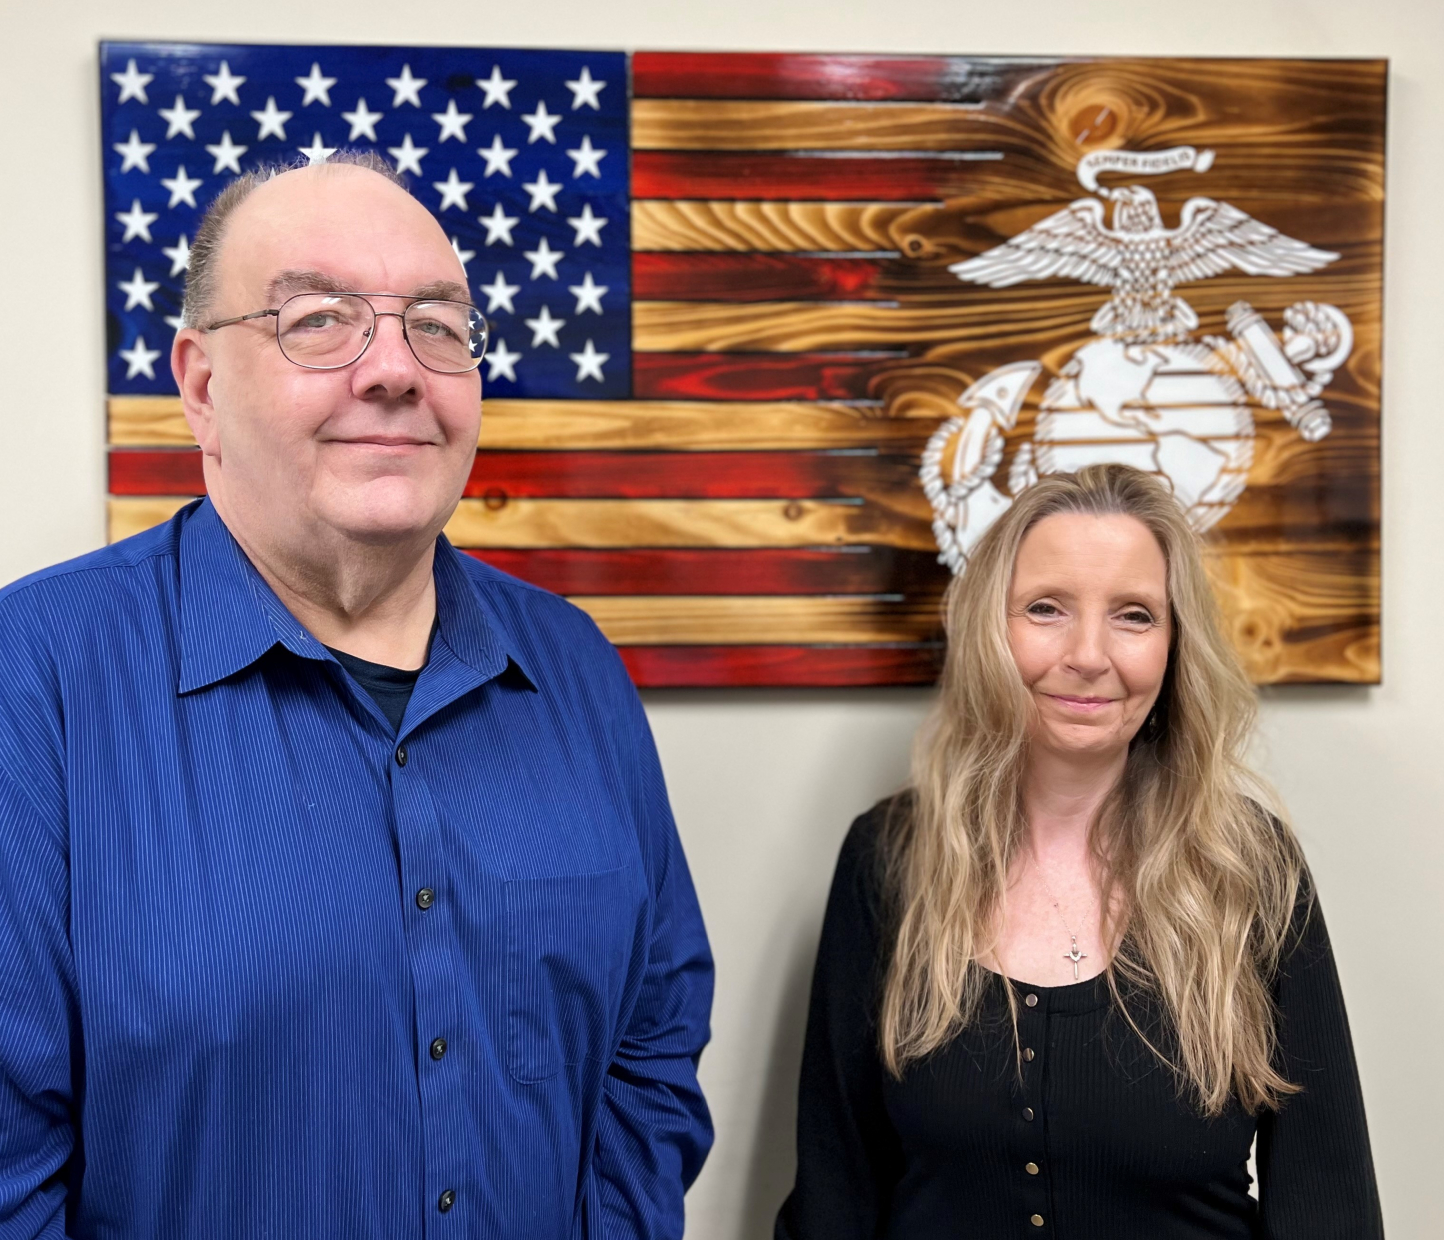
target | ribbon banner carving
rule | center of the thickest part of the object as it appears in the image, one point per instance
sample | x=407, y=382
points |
x=775, y=338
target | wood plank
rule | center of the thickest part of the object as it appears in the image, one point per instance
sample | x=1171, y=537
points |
x=754, y=376
x=1302, y=616
x=621, y=424
x=804, y=177
x=805, y=125
x=132, y=515
x=499, y=476
x=673, y=620
x=790, y=75
x=757, y=277
x=147, y=421
x=524, y=523
x=706, y=667
x=661, y=570
x=763, y=226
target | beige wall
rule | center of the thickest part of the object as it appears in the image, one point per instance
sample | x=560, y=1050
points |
x=765, y=783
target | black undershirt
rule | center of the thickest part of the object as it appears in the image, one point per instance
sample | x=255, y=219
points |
x=1087, y=1139
x=389, y=687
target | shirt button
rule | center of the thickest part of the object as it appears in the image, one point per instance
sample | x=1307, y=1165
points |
x=1028, y=1053
x=438, y=1048
x=425, y=898
x=400, y=755
x=1027, y=1112
x=1036, y=1220
x=1031, y=1168
x=1031, y=1000
x=448, y=1199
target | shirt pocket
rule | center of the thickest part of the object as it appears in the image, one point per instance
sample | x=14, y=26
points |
x=568, y=943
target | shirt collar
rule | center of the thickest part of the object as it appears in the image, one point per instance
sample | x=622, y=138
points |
x=230, y=616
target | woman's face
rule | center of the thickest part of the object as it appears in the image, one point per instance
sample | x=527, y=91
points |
x=1088, y=621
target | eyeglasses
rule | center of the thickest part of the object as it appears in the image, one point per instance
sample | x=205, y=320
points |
x=326, y=331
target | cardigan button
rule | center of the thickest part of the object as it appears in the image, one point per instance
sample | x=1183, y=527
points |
x=1027, y=1112
x=1036, y=1220
x=1031, y=1000
x=1028, y=1054
x=1031, y=1168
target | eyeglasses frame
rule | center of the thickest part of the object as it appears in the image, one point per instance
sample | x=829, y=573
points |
x=375, y=314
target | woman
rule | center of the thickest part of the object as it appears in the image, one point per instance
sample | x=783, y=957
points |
x=1069, y=978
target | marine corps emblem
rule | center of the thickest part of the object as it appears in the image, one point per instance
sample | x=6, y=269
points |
x=1145, y=389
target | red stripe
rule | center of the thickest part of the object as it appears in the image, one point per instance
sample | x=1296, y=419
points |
x=176, y=471
x=688, y=667
x=861, y=570
x=755, y=277
x=500, y=476
x=751, y=376
x=708, y=75
x=829, y=178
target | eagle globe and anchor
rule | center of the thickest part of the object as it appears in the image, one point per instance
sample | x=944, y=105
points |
x=1143, y=390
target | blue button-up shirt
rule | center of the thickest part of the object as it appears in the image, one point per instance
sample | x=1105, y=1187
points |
x=237, y=911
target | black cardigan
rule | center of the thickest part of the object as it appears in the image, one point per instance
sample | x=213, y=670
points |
x=1094, y=1142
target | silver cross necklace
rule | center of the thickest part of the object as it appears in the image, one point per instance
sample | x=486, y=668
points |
x=1073, y=955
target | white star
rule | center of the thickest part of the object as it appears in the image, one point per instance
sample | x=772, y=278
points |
x=541, y=123
x=224, y=85
x=503, y=362
x=137, y=290
x=316, y=86
x=587, y=226
x=175, y=322
x=137, y=222
x=228, y=154
x=453, y=191
x=498, y=225
x=544, y=260
x=589, y=362
x=499, y=294
x=498, y=157
x=407, y=155
x=587, y=159
x=407, y=88
x=585, y=91
x=498, y=89
x=182, y=187
x=544, y=329
x=318, y=152
x=132, y=83
x=465, y=256
x=272, y=120
x=362, y=121
x=543, y=192
x=134, y=153
x=179, y=255
x=452, y=121
x=589, y=294
x=178, y=119
x=139, y=360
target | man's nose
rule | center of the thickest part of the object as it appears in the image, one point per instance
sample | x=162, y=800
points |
x=388, y=365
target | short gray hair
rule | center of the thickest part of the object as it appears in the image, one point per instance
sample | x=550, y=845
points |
x=200, y=274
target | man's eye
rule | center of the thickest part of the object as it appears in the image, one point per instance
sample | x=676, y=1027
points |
x=317, y=321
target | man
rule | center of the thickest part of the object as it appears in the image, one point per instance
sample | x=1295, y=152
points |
x=339, y=892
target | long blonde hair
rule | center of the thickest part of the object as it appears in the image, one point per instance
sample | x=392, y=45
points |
x=1199, y=880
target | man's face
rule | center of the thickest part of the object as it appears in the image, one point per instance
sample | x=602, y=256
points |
x=376, y=451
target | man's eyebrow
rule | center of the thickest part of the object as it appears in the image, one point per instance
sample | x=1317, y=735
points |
x=289, y=283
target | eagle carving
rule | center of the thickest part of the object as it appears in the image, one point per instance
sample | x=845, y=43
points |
x=1141, y=260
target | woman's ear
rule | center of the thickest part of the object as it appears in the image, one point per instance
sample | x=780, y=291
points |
x=190, y=363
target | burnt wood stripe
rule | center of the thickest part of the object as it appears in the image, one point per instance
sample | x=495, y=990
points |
x=700, y=667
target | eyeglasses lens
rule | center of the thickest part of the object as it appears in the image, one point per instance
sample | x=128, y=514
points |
x=325, y=331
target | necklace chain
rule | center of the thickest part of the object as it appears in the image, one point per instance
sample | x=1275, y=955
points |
x=1073, y=956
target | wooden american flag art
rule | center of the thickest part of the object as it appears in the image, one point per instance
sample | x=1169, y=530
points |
x=776, y=337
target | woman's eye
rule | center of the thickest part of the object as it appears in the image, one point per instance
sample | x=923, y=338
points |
x=1136, y=616
x=1042, y=609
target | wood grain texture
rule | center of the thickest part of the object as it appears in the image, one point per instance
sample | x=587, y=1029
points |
x=662, y=620
x=802, y=125
x=721, y=570
x=754, y=376
x=701, y=224
x=132, y=515
x=756, y=277
x=705, y=667
x=691, y=523
x=702, y=425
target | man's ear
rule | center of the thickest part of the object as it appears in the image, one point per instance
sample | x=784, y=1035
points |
x=190, y=363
